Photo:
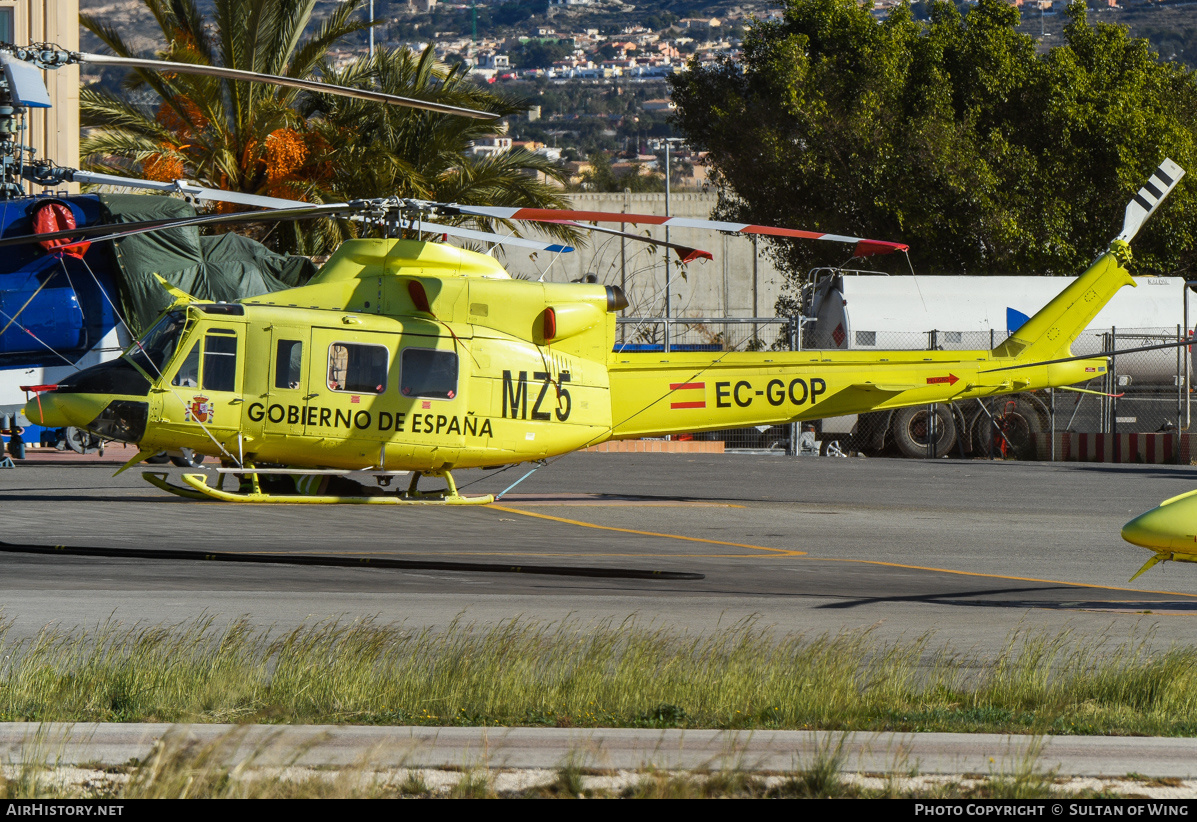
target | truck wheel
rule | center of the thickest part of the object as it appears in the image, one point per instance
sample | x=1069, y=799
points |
x=187, y=458
x=910, y=431
x=80, y=441
x=833, y=448
x=1018, y=419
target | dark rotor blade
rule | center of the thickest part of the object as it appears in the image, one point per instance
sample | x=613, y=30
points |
x=685, y=253
x=863, y=247
x=116, y=231
x=291, y=82
x=1097, y=356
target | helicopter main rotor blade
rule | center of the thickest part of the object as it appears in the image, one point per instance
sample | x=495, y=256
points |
x=685, y=253
x=117, y=231
x=184, y=187
x=290, y=82
x=481, y=236
x=296, y=211
x=864, y=247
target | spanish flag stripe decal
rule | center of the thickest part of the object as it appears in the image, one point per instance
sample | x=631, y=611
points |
x=687, y=386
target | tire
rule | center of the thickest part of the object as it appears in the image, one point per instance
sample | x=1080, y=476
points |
x=1019, y=419
x=161, y=458
x=80, y=441
x=833, y=448
x=910, y=431
x=189, y=459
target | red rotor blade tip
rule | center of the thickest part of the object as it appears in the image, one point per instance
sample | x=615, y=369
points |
x=869, y=248
x=692, y=254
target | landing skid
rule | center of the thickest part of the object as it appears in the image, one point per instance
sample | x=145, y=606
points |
x=199, y=489
x=1164, y=556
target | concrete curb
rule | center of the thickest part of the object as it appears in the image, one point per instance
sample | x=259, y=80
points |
x=606, y=748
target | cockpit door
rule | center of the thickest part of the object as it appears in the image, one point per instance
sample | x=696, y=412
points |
x=287, y=392
x=202, y=394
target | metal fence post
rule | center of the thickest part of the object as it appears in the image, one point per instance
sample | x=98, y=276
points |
x=1179, y=397
x=932, y=418
x=795, y=345
x=1114, y=399
x=1051, y=422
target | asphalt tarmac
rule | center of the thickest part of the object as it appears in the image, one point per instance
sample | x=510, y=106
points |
x=972, y=551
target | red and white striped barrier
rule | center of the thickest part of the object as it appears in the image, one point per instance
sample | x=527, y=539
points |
x=1140, y=448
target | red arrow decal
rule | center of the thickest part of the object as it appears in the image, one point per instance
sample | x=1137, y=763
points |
x=950, y=379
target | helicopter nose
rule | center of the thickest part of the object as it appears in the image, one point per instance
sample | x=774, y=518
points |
x=57, y=409
x=1172, y=526
x=49, y=410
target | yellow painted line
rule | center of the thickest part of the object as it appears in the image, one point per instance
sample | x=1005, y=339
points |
x=623, y=503
x=781, y=551
x=1000, y=576
x=791, y=553
x=576, y=555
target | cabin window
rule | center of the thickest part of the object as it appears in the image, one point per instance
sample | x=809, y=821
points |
x=155, y=349
x=430, y=374
x=358, y=369
x=866, y=338
x=188, y=374
x=288, y=364
x=220, y=363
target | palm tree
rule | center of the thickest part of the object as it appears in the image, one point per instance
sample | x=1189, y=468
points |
x=383, y=151
x=261, y=139
x=228, y=134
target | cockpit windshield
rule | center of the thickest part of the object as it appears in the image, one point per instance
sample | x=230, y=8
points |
x=154, y=350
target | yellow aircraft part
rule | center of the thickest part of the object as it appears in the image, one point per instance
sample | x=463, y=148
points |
x=199, y=489
x=677, y=393
x=1169, y=529
x=1049, y=334
x=685, y=392
x=411, y=356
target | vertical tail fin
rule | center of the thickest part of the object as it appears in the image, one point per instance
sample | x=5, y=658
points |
x=1049, y=334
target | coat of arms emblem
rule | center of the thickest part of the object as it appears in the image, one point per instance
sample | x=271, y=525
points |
x=200, y=409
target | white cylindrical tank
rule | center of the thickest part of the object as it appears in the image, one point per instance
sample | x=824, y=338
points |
x=872, y=311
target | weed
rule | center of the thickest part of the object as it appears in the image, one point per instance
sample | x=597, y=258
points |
x=823, y=777
x=657, y=785
x=413, y=784
x=733, y=782
x=472, y=785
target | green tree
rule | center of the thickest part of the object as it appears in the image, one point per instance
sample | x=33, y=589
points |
x=383, y=151
x=539, y=54
x=952, y=135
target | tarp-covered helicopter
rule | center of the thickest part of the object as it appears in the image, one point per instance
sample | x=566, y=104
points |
x=408, y=356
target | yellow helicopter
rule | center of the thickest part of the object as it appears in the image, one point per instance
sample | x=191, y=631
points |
x=404, y=356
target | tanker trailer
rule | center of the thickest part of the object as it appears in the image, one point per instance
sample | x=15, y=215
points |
x=870, y=310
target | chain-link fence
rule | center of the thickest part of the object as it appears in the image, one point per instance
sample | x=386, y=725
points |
x=1143, y=394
